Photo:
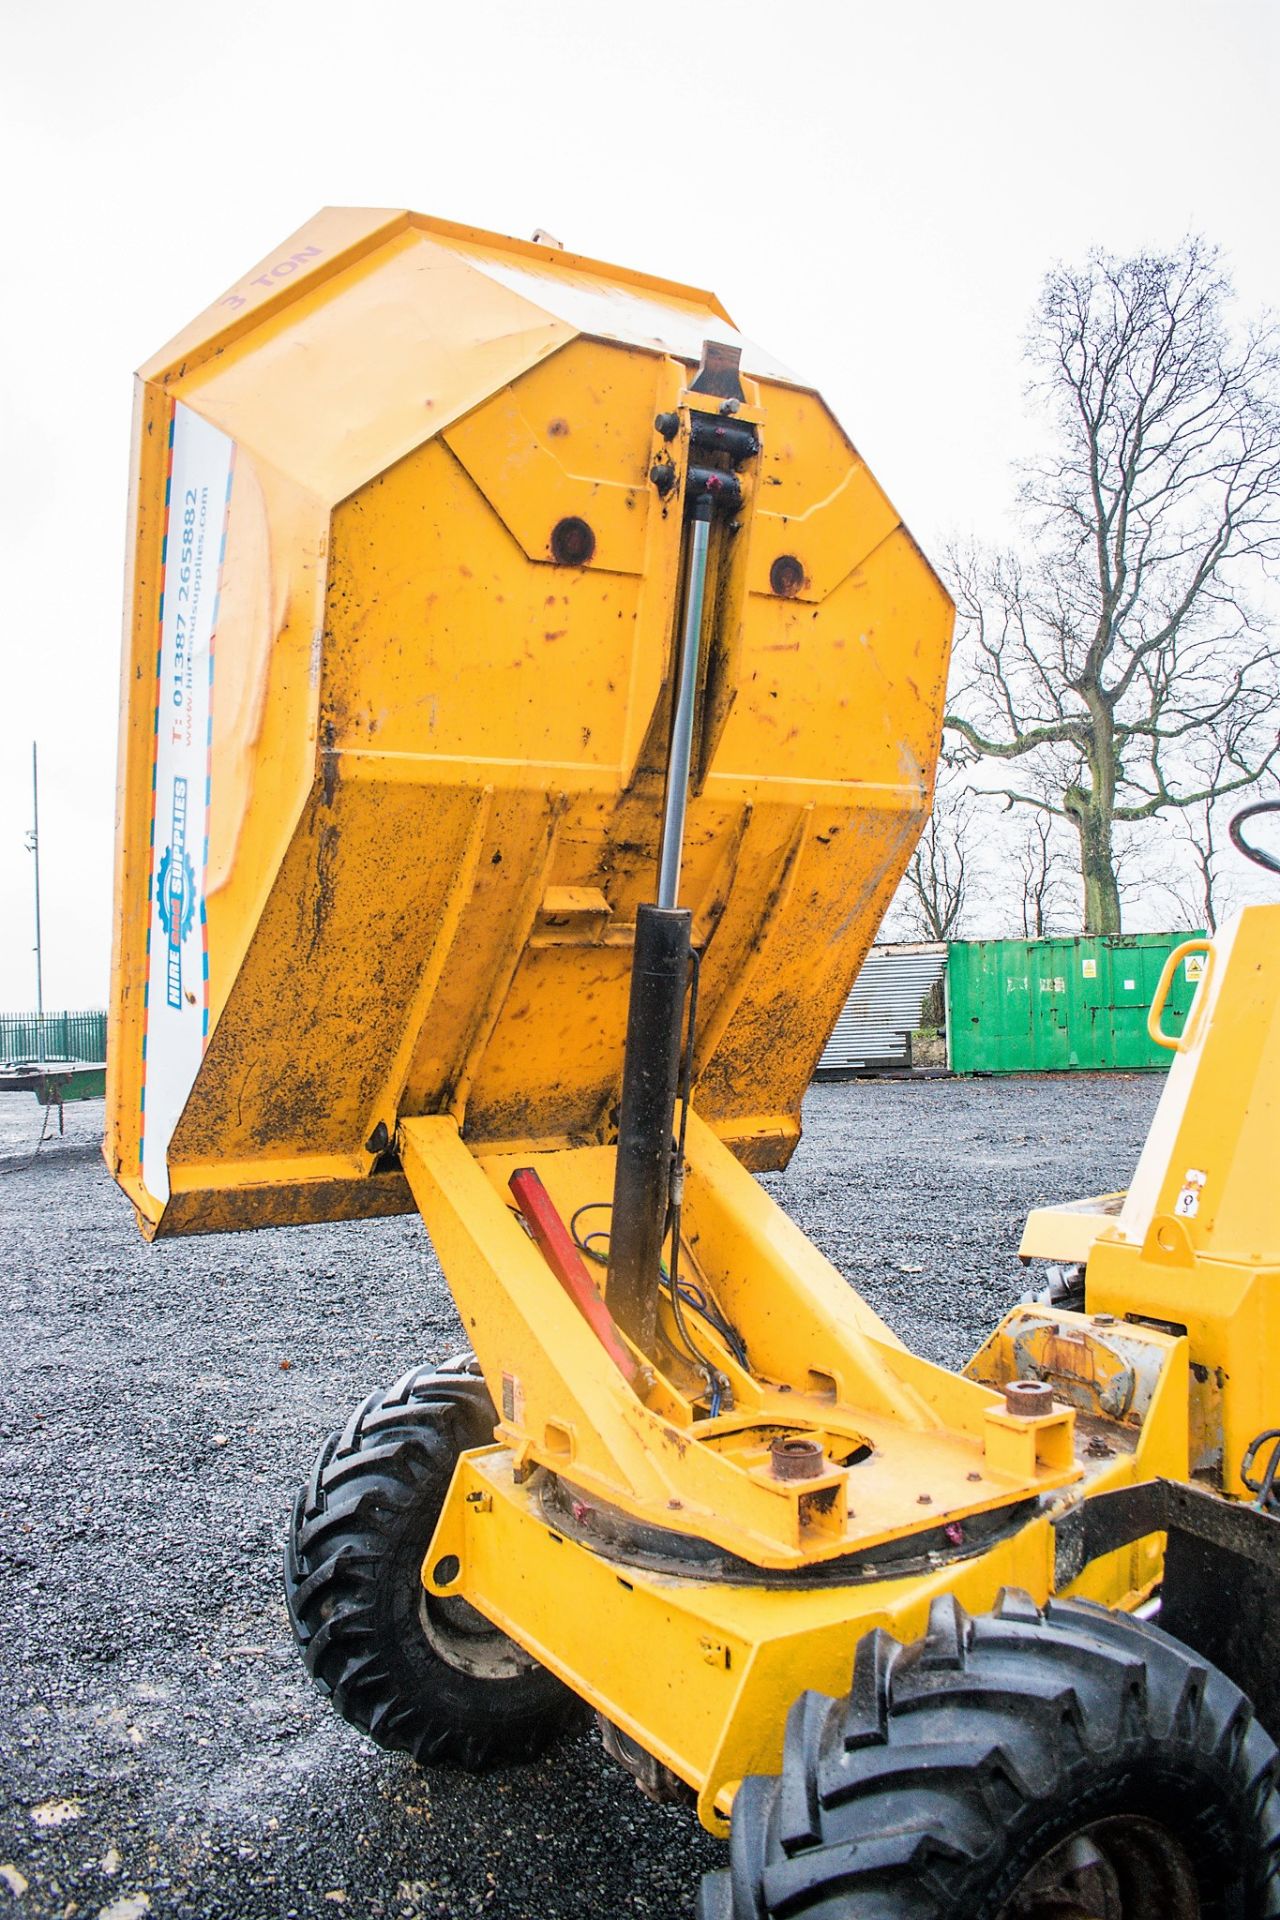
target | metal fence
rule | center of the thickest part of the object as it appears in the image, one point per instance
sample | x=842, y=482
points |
x=59, y=1036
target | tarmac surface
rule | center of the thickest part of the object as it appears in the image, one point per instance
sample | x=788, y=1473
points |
x=161, y=1750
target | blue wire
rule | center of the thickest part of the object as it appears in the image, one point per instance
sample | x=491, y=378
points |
x=690, y=1294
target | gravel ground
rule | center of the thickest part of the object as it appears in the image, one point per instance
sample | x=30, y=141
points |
x=161, y=1751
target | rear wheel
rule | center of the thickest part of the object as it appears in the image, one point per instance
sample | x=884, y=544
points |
x=1074, y=1764
x=422, y=1675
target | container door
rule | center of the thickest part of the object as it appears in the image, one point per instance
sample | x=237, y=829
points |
x=1051, y=1048
x=1091, y=1032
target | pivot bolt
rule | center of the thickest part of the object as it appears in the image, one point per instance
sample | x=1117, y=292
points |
x=795, y=1458
x=1029, y=1399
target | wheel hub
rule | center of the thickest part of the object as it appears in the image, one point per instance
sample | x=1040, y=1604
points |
x=1123, y=1868
x=466, y=1640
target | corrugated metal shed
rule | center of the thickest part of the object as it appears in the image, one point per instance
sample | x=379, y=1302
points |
x=883, y=1008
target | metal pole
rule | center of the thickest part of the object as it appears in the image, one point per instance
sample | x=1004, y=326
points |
x=35, y=848
x=676, y=798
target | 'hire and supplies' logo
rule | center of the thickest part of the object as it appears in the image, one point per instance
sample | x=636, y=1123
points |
x=176, y=886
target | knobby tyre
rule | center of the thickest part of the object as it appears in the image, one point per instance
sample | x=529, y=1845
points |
x=419, y=1675
x=1017, y=1766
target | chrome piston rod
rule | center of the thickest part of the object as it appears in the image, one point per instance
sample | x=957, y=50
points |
x=675, y=798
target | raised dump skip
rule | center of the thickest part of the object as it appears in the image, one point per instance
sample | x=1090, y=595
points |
x=402, y=605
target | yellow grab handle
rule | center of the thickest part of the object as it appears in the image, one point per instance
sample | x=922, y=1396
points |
x=1178, y=1043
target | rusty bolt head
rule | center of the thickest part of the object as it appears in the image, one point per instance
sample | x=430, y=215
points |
x=572, y=542
x=924, y=1499
x=1104, y=1319
x=786, y=575
x=792, y=1457
x=1028, y=1398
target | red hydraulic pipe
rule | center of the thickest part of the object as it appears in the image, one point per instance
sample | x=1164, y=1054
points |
x=557, y=1247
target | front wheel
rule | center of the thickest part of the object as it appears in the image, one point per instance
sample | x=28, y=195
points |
x=418, y=1674
x=1071, y=1764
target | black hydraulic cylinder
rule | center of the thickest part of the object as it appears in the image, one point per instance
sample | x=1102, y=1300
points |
x=650, y=1072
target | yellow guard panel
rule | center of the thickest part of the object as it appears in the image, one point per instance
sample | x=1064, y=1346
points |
x=392, y=741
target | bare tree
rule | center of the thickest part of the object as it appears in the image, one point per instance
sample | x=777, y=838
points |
x=1198, y=893
x=1101, y=657
x=1039, y=867
x=935, y=887
x=1204, y=893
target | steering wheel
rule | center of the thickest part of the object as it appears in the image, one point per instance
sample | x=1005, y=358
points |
x=1258, y=855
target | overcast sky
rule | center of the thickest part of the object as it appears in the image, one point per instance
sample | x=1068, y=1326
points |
x=874, y=191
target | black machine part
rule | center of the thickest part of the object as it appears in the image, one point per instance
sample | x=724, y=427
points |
x=1259, y=855
x=617, y=1536
x=655, y=1781
x=1220, y=1590
x=642, y=1177
x=1066, y=1764
x=418, y=1674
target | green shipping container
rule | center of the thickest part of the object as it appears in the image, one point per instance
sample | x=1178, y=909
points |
x=1053, y=1006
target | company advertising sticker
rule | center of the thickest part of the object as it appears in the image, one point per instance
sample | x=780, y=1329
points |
x=176, y=1027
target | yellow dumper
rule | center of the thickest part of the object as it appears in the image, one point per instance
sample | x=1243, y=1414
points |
x=530, y=704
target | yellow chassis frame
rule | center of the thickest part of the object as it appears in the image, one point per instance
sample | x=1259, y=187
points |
x=700, y=1671
x=1167, y=1375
